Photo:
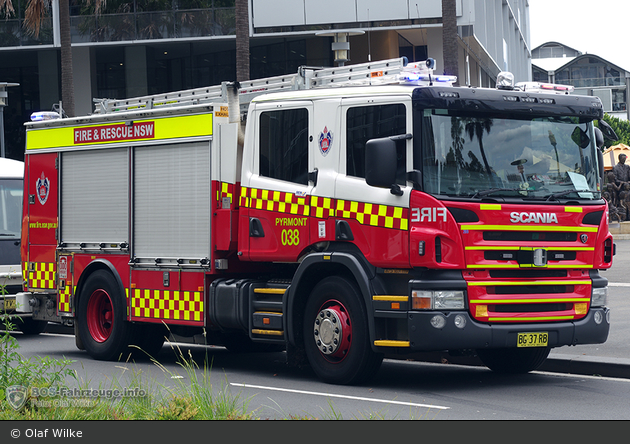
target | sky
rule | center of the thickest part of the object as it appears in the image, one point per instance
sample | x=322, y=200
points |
x=593, y=27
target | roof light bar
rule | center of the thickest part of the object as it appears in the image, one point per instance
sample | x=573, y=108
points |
x=44, y=115
x=545, y=87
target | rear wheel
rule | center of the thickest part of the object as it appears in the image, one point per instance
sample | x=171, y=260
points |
x=103, y=328
x=513, y=360
x=336, y=337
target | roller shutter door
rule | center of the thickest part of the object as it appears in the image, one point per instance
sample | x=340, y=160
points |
x=172, y=197
x=95, y=195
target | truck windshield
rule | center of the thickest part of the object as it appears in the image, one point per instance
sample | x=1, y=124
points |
x=10, y=208
x=477, y=155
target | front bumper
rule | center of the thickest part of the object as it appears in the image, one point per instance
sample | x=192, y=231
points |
x=474, y=335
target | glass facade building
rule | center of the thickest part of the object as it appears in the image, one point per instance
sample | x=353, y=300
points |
x=139, y=47
x=588, y=73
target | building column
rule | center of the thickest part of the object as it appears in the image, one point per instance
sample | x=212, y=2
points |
x=136, y=71
x=84, y=83
x=48, y=67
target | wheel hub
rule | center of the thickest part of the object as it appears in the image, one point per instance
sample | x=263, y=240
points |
x=332, y=331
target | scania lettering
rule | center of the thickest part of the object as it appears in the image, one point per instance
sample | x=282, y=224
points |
x=391, y=214
x=538, y=218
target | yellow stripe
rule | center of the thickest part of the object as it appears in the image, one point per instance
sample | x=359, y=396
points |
x=388, y=343
x=568, y=266
x=527, y=301
x=495, y=283
x=489, y=207
x=513, y=248
x=270, y=290
x=510, y=248
x=527, y=228
x=257, y=331
x=573, y=209
x=165, y=128
x=495, y=266
x=390, y=298
x=541, y=318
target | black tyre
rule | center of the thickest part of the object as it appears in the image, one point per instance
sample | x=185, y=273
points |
x=336, y=337
x=103, y=328
x=513, y=360
x=31, y=327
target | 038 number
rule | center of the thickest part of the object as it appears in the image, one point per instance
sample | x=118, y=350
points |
x=290, y=237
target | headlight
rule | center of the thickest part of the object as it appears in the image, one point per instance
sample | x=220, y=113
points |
x=438, y=300
x=599, y=297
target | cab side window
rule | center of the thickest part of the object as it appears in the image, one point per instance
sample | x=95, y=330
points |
x=374, y=122
x=284, y=145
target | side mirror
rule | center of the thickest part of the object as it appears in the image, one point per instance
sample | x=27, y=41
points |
x=599, y=138
x=580, y=137
x=381, y=163
x=607, y=131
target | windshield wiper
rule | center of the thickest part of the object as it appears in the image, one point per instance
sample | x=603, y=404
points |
x=493, y=190
x=564, y=193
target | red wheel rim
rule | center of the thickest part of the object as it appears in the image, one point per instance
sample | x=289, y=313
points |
x=100, y=316
x=333, y=331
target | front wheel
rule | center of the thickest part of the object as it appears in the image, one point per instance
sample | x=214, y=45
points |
x=103, y=328
x=513, y=360
x=336, y=337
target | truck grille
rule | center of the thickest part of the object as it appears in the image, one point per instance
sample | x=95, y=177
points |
x=532, y=300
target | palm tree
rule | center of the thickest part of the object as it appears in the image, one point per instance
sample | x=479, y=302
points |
x=449, y=37
x=476, y=127
x=242, y=40
x=36, y=10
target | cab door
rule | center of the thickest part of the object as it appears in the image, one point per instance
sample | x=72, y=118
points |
x=274, y=222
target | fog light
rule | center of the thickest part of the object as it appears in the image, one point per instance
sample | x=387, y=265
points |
x=438, y=321
x=598, y=317
x=460, y=321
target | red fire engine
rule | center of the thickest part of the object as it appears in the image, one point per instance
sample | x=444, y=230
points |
x=342, y=214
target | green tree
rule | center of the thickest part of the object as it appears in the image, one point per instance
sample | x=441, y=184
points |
x=621, y=127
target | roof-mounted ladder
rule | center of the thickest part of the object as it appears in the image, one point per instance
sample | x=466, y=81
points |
x=381, y=72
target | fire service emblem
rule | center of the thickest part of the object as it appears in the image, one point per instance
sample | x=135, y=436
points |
x=325, y=140
x=43, y=188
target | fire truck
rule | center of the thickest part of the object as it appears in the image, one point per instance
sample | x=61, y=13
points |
x=340, y=214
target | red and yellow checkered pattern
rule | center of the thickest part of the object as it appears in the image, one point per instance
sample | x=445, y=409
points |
x=167, y=304
x=41, y=275
x=63, y=305
x=277, y=201
x=322, y=207
x=374, y=215
x=225, y=190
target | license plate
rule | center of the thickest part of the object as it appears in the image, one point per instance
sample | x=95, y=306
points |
x=9, y=304
x=538, y=339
